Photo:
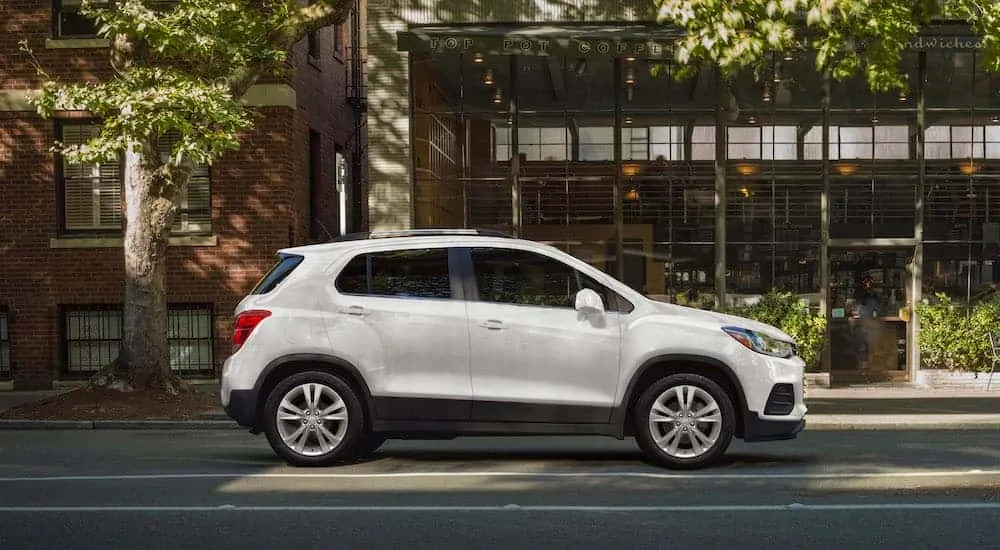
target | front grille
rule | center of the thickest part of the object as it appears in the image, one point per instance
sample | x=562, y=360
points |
x=781, y=401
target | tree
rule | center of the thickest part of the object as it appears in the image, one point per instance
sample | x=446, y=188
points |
x=848, y=36
x=180, y=68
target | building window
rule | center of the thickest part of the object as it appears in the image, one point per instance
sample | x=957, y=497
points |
x=92, y=338
x=338, y=41
x=68, y=22
x=92, y=193
x=762, y=142
x=190, y=337
x=194, y=203
x=313, y=40
x=4, y=345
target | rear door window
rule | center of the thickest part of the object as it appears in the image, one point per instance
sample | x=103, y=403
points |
x=412, y=273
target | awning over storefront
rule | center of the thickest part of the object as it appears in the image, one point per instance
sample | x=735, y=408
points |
x=642, y=40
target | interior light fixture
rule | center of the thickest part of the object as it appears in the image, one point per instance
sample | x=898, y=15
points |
x=968, y=167
x=477, y=58
x=995, y=119
x=489, y=78
x=497, y=96
x=630, y=76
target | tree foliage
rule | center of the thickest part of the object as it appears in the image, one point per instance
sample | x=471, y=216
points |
x=955, y=336
x=848, y=36
x=791, y=314
x=182, y=66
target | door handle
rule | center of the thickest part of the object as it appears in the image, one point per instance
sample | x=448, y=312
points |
x=357, y=311
x=492, y=324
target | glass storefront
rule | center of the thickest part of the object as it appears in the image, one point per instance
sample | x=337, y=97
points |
x=698, y=193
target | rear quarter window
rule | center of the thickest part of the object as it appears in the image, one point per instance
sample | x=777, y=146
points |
x=280, y=270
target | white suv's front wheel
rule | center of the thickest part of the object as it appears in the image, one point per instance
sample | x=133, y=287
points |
x=684, y=421
x=313, y=419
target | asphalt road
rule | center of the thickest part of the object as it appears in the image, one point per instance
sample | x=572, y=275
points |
x=224, y=489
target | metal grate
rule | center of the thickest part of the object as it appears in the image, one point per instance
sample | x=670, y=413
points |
x=190, y=336
x=4, y=345
x=92, y=338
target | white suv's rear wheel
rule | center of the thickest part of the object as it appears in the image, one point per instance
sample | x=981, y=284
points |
x=313, y=419
x=684, y=421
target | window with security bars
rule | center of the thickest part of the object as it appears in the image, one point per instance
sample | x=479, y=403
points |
x=92, y=338
x=4, y=345
x=190, y=337
x=92, y=192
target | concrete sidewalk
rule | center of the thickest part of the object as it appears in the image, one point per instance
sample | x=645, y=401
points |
x=850, y=408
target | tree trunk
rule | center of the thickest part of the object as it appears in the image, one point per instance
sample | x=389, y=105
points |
x=143, y=364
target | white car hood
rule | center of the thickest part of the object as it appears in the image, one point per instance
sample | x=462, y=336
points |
x=723, y=319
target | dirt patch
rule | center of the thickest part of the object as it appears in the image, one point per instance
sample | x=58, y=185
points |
x=104, y=404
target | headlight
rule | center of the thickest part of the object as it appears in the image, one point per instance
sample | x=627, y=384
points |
x=761, y=343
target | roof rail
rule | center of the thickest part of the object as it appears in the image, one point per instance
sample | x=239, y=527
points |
x=396, y=233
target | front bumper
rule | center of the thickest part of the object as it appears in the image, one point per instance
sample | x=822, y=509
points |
x=759, y=429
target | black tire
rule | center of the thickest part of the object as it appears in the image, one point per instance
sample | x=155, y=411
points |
x=723, y=433
x=351, y=432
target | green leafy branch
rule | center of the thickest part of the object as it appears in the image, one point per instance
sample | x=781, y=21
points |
x=848, y=36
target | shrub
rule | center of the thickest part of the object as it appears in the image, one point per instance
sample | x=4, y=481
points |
x=953, y=336
x=791, y=314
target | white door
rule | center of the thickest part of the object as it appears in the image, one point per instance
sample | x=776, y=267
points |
x=402, y=315
x=534, y=358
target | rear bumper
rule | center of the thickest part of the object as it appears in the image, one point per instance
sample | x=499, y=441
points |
x=758, y=429
x=242, y=407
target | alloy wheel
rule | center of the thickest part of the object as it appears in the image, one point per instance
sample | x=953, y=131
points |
x=685, y=421
x=312, y=419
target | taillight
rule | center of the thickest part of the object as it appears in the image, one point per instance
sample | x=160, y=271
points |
x=245, y=323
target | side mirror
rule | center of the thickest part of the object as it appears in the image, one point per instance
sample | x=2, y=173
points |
x=589, y=302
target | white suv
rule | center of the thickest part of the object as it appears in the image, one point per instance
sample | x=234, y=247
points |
x=437, y=334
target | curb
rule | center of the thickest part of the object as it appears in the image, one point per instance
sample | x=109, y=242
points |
x=838, y=422
x=118, y=425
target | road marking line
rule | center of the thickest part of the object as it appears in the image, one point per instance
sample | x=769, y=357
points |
x=397, y=475
x=515, y=508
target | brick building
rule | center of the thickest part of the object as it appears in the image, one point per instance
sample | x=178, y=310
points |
x=293, y=181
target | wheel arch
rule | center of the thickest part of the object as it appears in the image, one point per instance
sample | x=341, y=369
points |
x=664, y=365
x=283, y=367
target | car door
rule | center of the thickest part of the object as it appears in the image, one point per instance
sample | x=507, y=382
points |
x=403, y=315
x=534, y=357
